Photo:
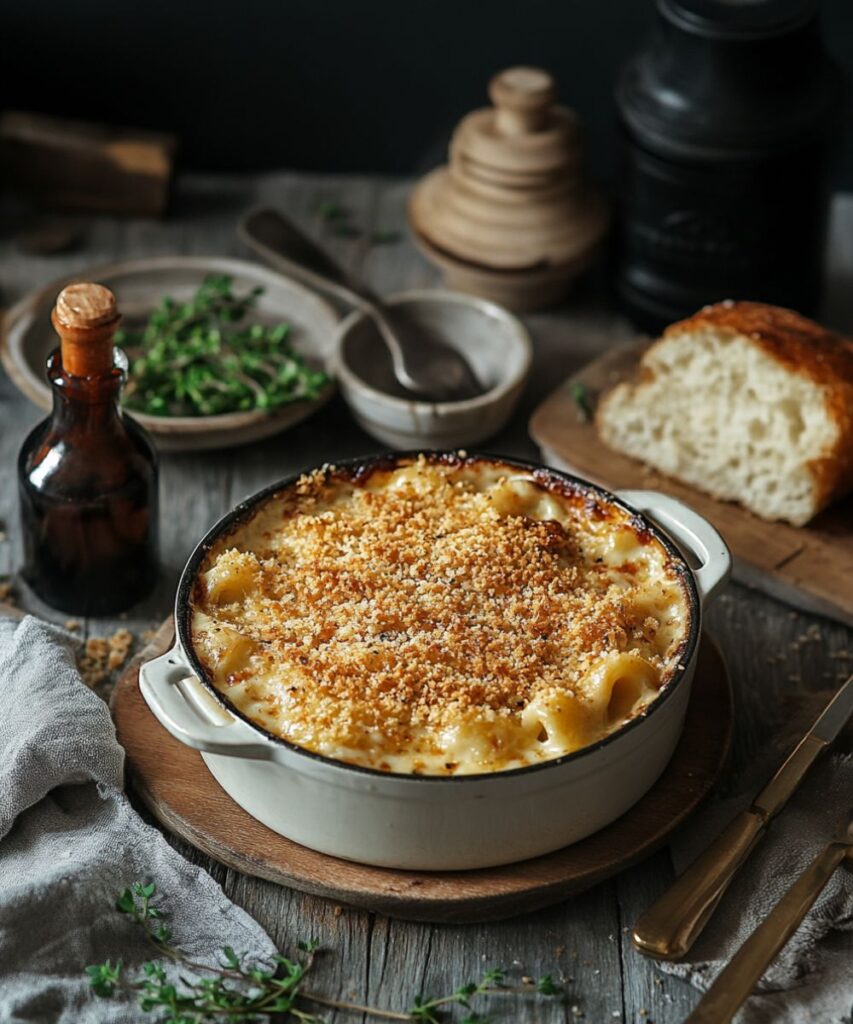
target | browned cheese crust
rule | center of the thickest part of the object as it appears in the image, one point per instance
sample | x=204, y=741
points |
x=381, y=616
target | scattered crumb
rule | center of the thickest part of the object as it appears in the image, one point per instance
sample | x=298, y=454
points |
x=120, y=644
x=93, y=661
x=72, y=625
x=102, y=655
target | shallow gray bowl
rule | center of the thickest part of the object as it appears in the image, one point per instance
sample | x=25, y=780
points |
x=496, y=344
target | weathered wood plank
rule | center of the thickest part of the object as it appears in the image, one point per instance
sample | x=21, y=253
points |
x=372, y=959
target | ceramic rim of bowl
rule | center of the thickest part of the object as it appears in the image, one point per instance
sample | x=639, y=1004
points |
x=246, y=508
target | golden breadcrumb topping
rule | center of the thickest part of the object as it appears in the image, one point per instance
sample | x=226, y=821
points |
x=408, y=620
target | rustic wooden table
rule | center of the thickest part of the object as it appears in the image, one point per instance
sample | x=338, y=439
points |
x=585, y=942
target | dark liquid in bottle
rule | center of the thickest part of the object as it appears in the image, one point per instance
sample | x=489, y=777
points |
x=88, y=500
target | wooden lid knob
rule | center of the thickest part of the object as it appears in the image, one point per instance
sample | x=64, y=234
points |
x=523, y=97
x=85, y=318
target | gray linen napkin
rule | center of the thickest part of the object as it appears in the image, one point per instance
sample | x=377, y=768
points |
x=70, y=842
x=811, y=982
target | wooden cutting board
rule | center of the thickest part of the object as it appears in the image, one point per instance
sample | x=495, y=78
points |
x=809, y=567
x=174, y=783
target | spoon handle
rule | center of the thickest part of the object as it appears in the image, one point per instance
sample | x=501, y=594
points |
x=278, y=241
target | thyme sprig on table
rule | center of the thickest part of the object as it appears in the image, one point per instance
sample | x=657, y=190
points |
x=237, y=991
x=339, y=221
x=200, y=358
x=580, y=396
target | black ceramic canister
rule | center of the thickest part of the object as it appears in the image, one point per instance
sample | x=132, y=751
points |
x=727, y=114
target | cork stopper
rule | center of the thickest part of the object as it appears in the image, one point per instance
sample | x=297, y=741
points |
x=86, y=318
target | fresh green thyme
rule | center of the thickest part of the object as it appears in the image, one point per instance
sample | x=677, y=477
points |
x=200, y=358
x=330, y=211
x=235, y=990
x=385, y=237
x=580, y=395
x=339, y=221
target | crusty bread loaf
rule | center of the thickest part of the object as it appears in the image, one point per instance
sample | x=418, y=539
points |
x=748, y=402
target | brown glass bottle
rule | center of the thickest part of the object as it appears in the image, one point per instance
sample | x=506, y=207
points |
x=87, y=475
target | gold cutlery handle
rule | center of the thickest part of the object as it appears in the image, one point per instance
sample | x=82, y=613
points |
x=734, y=984
x=670, y=926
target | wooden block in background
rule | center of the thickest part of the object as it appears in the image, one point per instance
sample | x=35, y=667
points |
x=78, y=165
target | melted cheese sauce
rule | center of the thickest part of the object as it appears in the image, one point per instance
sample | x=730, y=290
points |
x=438, y=618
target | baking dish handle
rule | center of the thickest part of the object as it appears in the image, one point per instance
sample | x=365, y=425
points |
x=184, y=708
x=692, y=533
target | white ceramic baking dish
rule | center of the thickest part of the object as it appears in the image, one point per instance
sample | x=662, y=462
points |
x=423, y=822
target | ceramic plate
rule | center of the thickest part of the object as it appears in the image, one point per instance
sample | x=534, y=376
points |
x=28, y=339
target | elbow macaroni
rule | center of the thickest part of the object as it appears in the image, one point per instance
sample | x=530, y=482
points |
x=439, y=617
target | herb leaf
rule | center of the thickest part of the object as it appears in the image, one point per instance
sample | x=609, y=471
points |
x=580, y=395
x=234, y=992
x=201, y=358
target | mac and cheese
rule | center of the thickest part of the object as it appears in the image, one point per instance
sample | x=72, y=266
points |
x=439, y=616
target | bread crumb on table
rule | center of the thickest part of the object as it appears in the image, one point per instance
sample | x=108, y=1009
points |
x=120, y=644
x=103, y=655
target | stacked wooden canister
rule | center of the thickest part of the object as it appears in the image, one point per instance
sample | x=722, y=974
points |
x=512, y=217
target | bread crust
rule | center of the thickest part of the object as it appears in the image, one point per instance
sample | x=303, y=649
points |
x=803, y=347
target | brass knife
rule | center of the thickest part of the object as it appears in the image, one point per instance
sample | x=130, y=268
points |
x=669, y=927
x=736, y=981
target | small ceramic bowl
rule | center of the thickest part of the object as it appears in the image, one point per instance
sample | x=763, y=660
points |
x=496, y=344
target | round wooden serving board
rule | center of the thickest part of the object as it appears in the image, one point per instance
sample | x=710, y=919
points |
x=175, y=785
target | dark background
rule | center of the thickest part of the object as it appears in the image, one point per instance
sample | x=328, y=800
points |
x=374, y=86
